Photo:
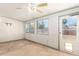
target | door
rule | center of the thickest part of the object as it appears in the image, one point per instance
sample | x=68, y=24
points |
x=68, y=32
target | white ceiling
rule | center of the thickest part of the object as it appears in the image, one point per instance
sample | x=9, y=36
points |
x=21, y=12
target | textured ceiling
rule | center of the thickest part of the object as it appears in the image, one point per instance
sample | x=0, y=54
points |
x=21, y=12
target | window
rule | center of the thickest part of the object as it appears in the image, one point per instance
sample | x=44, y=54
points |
x=27, y=27
x=69, y=26
x=30, y=27
x=42, y=26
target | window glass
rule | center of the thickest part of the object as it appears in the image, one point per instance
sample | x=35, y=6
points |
x=30, y=27
x=69, y=26
x=42, y=26
x=27, y=27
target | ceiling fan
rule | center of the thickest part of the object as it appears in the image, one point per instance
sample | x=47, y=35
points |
x=37, y=7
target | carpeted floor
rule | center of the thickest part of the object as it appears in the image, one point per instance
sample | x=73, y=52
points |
x=27, y=48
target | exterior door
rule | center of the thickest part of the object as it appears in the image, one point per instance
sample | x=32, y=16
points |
x=68, y=33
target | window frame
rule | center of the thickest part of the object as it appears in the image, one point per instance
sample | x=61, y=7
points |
x=26, y=28
x=39, y=32
x=29, y=23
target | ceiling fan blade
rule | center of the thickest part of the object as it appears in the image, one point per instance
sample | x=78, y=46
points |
x=42, y=5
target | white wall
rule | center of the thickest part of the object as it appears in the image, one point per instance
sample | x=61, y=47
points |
x=52, y=38
x=14, y=32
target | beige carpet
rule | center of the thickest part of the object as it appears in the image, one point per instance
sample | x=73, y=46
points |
x=27, y=48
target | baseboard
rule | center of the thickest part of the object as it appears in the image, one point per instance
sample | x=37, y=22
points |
x=11, y=41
